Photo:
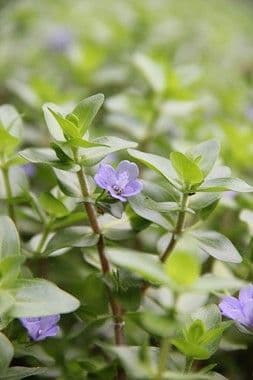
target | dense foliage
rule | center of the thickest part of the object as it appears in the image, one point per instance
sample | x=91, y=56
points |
x=126, y=193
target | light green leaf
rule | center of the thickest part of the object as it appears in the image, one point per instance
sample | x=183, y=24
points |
x=91, y=156
x=7, y=142
x=70, y=130
x=9, y=238
x=146, y=265
x=36, y=297
x=209, y=314
x=212, y=283
x=225, y=184
x=6, y=353
x=18, y=183
x=206, y=155
x=187, y=170
x=17, y=373
x=183, y=268
x=52, y=124
x=6, y=302
x=217, y=245
x=10, y=269
x=160, y=164
x=71, y=237
x=68, y=183
x=47, y=156
x=52, y=205
x=246, y=216
x=11, y=120
x=86, y=111
x=151, y=70
x=192, y=350
x=141, y=207
x=130, y=357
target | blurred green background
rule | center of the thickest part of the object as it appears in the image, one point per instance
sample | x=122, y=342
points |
x=62, y=51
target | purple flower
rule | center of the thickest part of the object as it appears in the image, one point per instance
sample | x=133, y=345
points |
x=39, y=328
x=239, y=309
x=122, y=182
x=60, y=39
x=29, y=169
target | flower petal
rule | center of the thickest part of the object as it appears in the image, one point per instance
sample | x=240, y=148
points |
x=132, y=188
x=130, y=168
x=106, y=176
x=247, y=310
x=48, y=322
x=115, y=195
x=246, y=294
x=231, y=308
x=53, y=331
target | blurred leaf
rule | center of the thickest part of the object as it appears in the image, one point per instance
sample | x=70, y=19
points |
x=212, y=283
x=37, y=298
x=151, y=70
x=11, y=121
x=183, y=268
x=145, y=265
x=17, y=373
x=9, y=238
x=225, y=184
x=6, y=302
x=10, y=269
x=52, y=205
x=95, y=296
x=71, y=237
x=206, y=155
x=6, y=353
x=217, y=245
x=48, y=157
x=68, y=183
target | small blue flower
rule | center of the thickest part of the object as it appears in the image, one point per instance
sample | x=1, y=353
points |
x=121, y=182
x=239, y=309
x=29, y=169
x=60, y=39
x=40, y=328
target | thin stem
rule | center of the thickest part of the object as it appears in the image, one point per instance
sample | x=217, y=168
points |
x=174, y=237
x=42, y=241
x=188, y=365
x=8, y=190
x=163, y=358
x=178, y=229
x=114, y=304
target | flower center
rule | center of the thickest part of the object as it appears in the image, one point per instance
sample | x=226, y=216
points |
x=117, y=189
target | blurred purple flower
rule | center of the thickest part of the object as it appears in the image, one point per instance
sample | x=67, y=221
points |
x=40, y=328
x=60, y=39
x=239, y=309
x=122, y=182
x=249, y=113
x=29, y=169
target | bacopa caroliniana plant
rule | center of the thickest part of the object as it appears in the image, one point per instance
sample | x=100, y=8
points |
x=129, y=316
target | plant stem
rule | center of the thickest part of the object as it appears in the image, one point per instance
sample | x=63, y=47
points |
x=173, y=241
x=43, y=239
x=178, y=229
x=114, y=304
x=163, y=358
x=8, y=191
x=188, y=365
